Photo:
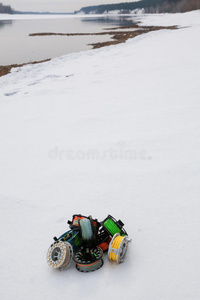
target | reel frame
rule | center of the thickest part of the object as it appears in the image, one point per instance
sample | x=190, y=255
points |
x=112, y=226
x=120, y=252
x=88, y=259
x=59, y=255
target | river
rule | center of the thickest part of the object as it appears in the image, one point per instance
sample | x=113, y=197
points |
x=17, y=47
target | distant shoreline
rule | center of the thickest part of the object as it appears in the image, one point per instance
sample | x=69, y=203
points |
x=116, y=36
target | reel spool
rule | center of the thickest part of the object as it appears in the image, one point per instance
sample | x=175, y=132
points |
x=88, y=231
x=118, y=247
x=112, y=226
x=59, y=255
x=88, y=259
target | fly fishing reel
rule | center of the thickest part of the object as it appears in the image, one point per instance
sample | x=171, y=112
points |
x=59, y=255
x=88, y=259
x=118, y=247
x=112, y=226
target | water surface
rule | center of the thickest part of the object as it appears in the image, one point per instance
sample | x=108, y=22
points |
x=16, y=46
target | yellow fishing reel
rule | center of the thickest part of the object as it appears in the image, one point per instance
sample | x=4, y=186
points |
x=118, y=247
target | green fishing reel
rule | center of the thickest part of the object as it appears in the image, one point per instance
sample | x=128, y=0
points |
x=112, y=226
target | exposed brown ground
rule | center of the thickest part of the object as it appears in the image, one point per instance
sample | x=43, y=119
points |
x=4, y=70
x=121, y=36
x=116, y=36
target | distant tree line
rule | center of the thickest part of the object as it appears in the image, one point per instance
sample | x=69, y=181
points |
x=5, y=9
x=148, y=6
x=173, y=6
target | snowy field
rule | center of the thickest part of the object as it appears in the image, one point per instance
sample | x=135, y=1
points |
x=114, y=130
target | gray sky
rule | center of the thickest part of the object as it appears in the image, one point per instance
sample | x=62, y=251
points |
x=55, y=5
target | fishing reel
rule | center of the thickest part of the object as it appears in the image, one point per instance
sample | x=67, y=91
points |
x=112, y=226
x=118, y=247
x=60, y=253
x=88, y=259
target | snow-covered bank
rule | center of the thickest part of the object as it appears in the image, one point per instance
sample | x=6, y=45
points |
x=186, y=19
x=115, y=130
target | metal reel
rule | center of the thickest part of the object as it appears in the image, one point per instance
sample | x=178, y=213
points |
x=118, y=247
x=88, y=259
x=59, y=255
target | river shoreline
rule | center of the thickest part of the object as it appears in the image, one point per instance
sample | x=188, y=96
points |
x=118, y=35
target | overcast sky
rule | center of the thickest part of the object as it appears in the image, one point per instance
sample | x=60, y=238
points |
x=55, y=5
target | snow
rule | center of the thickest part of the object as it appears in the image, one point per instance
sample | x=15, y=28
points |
x=136, y=106
x=117, y=12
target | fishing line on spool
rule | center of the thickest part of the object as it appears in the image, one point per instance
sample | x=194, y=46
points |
x=112, y=226
x=86, y=230
x=118, y=247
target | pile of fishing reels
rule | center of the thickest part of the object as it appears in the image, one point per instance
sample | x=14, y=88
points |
x=85, y=243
